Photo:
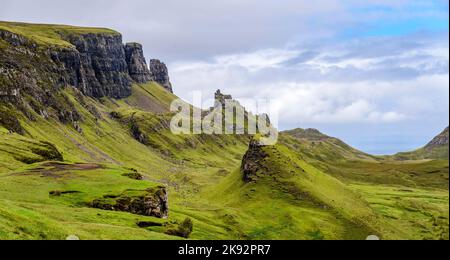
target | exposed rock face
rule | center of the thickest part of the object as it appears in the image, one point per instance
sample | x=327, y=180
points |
x=160, y=74
x=98, y=66
x=252, y=161
x=440, y=140
x=152, y=202
x=137, y=66
x=29, y=79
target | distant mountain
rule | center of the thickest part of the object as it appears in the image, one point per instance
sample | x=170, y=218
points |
x=437, y=149
x=314, y=145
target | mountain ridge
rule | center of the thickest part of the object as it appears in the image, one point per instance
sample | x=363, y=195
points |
x=110, y=168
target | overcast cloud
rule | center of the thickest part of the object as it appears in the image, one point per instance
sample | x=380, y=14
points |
x=374, y=73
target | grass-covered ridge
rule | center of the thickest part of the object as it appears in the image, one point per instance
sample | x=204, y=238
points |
x=320, y=191
x=72, y=177
x=47, y=34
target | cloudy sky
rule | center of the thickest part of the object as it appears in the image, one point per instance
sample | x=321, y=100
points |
x=374, y=73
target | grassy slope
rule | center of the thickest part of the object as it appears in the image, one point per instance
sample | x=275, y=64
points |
x=412, y=195
x=205, y=185
x=322, y=148
x=45, y=34
x=109, y=142
x=349, y=164
x=364, y=196
x=440, y=152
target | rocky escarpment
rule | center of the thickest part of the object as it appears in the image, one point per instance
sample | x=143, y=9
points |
x=440, y=140
x=160, y=74
x=252, y=163
x=97, y=65
x=151, y=202
x=34, y=67
x=29, y=80
x=137, y=66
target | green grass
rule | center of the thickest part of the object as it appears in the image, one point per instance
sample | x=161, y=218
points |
x=35, y=214
x=45, y=34
x=421, y=213
x=349, y=165
x=307, y=190
x=439, y=152
x=321, y=148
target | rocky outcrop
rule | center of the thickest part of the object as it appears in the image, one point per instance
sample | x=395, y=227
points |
x=151, y=202
x=220, y=99
x=29, y=79
x=160, y=74
x=137, y=66
x=440, y=140
x=95, y=62
x=252, y=162
x=97, y=66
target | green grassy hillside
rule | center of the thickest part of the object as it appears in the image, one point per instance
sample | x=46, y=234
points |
x=49, y=34
x=316, y=146
x=53, y=174
x=296, y=198
x=409, y=194
x=184, y=164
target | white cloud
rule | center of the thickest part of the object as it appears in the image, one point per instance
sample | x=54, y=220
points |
x=308, y=56
x=332, y=87
x=258, y=60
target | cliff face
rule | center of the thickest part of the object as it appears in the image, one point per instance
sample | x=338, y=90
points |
x=160, y=74
x=137, y=66
x=29, y=80
x=97, y=66
x=38, y=61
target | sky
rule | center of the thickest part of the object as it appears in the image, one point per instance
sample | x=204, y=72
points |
x=373, y=73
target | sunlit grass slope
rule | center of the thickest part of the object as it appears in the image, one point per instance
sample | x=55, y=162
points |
x=309, y=191
x=46, y=34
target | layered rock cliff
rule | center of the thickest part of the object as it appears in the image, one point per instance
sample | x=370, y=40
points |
x=137, y=66
x=36, y=64
x=160, y=74
x=97, y=65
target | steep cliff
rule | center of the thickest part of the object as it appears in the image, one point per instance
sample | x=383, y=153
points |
x=36, y=61
x=29, y=80
x=137, y=66
x=97, y=66
x=160, y=74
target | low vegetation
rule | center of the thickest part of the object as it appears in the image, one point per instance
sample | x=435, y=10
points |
x=117, y=172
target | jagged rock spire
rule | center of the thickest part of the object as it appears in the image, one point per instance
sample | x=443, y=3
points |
x=160, y=74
